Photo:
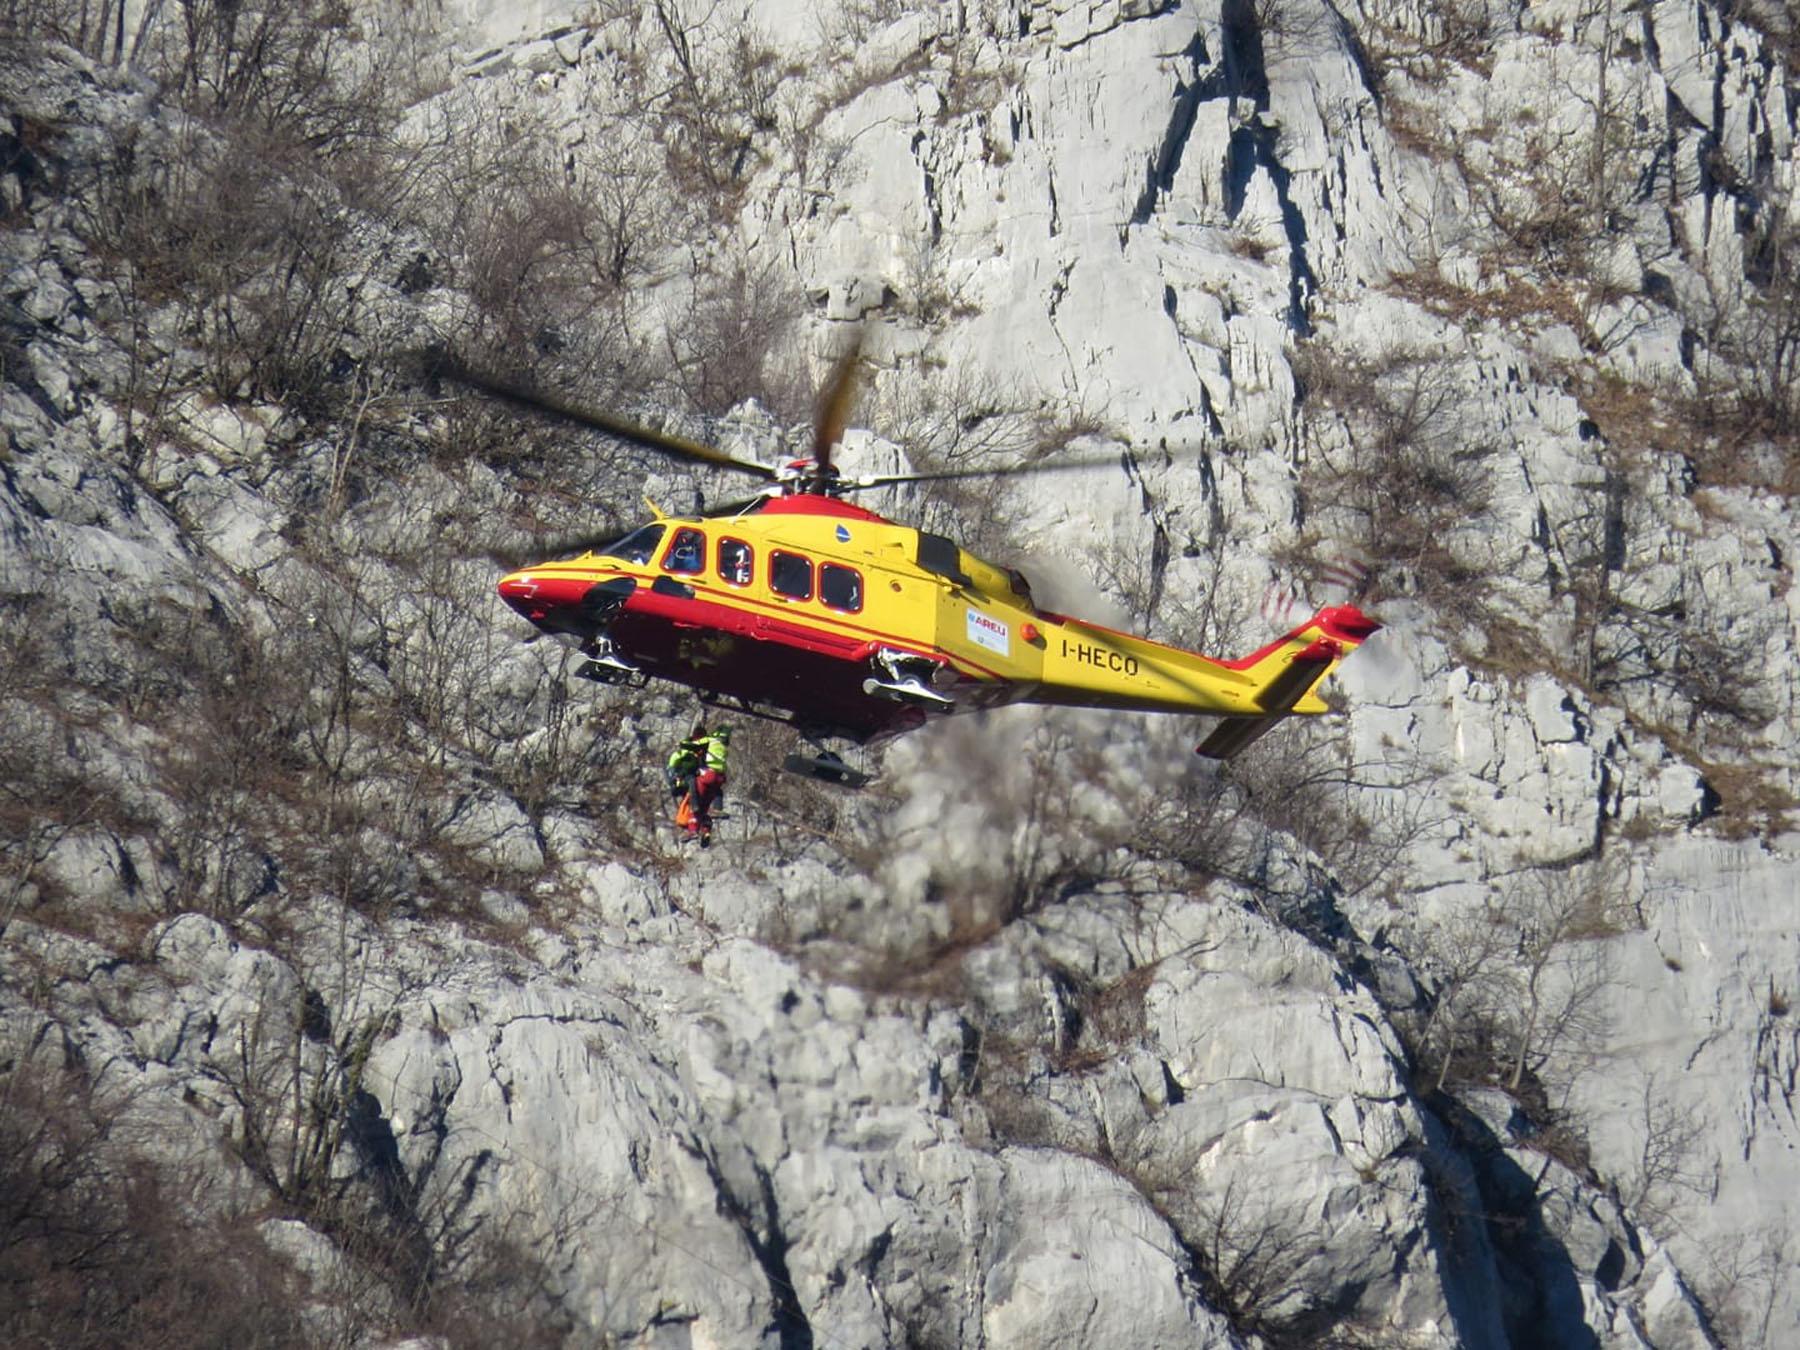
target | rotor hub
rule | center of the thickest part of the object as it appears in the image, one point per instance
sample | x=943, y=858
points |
x=811, y=476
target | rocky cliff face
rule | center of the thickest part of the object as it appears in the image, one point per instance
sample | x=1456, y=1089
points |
x=337, y=917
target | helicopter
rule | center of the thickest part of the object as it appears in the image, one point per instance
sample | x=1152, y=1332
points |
x=802, y=607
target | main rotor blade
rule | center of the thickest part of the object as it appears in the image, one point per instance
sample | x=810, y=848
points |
x=623, y=428
x=833, y=413
x=574, y=545
x=551, y=550
x=736, y=508
x=1014, y=471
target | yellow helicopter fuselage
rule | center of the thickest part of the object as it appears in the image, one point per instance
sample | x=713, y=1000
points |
x=830, y=616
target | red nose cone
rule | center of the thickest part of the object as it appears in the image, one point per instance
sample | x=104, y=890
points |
x=536, y=596
x=520, y=591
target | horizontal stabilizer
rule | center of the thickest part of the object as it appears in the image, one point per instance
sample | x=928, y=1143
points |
x=1233, y=735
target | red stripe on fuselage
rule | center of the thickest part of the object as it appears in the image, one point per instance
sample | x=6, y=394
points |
x=741, y=660
x=709, y=607
x=810, y=663
x=781, y=623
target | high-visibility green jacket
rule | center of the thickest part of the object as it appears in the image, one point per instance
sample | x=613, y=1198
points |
x=686, y=757
x=714, y=749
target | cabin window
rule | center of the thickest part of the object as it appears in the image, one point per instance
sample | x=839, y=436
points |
x=790, y=575
x=639, y=546
x=687, y=552
x=735, y=561
x=840, y=587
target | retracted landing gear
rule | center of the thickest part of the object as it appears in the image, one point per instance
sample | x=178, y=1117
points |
x=822, y=764
x=906, y=678
x=825, y=766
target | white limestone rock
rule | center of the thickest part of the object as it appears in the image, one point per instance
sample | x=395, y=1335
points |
x=1081, y=1255
x=230, y=434
x=496, y=830
x=1114, y=227
x=551, y=1087
x=242, y=527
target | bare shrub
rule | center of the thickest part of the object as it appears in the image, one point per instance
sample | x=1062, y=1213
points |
x=545, y=743
x=1426, y=41
x=107, y=1239
x=541, y=246
x=1251, y=1256
x=931, y=965
x=955, y=419
x=298, y=66
x=1707, y=676
x=306, y=1123
x=1260, y=821
x=96, y=27
x=716, y=85
x=490, y=1281
x=241, y=213
x=45, y=791
x=1517, y=985
x=1749, y=379
x=1094, y=1021
x=1293, y=30
x=1680, y=658
x=98, y=1244
x=724, y=95
x=1199, y=823
x=1668, y=1171
x=365, y=805
x=1742, y=1282
x=292, y=1076
x=1779, y=25
x=733, y=343
x=304, y=66
x=1560, y=923
x=558, y=486
x=219, y=770
x=241, y=233
x=1556, y=186
x=287, y=761
x=925, y=290
x=1250, y=1251
x=1394, y=452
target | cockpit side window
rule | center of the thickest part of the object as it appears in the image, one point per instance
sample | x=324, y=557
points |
x=638, y=546
x=687, y=552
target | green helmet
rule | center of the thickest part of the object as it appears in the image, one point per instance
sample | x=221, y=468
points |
x=723, y=733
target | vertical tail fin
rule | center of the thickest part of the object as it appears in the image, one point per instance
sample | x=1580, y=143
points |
x=1287, y=671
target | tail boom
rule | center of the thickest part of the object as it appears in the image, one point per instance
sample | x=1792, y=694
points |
x=1087, y=665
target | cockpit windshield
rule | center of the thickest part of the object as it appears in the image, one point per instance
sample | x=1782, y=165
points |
x=639, y=546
